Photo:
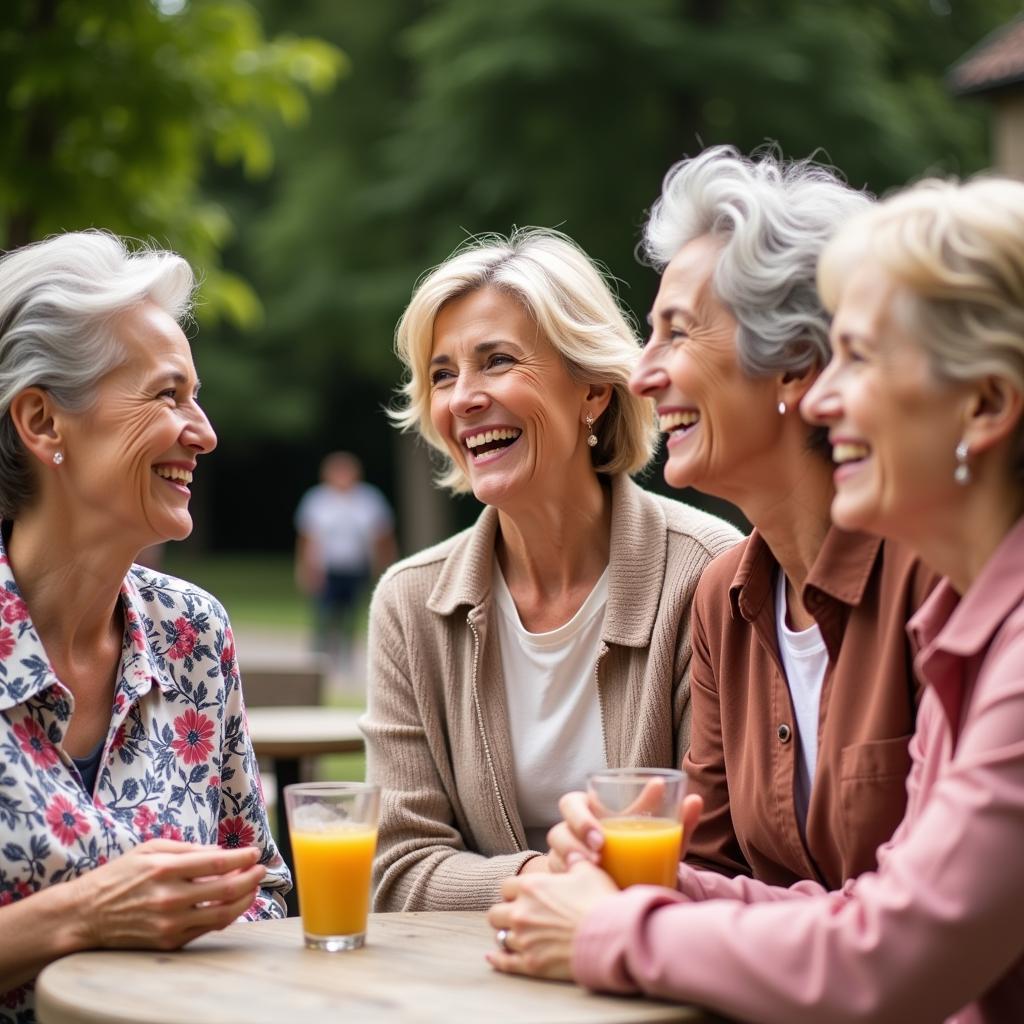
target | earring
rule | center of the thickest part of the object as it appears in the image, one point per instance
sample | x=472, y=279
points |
x=962, y=473
x=591, y=436
x=58, y=458
x=782, y=408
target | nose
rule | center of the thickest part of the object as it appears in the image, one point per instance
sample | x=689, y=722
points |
x=467, y=397
x=199, y=434
x=821, y=405
x=649, y=376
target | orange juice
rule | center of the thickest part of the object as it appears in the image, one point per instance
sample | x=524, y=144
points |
x=641, y=850
x=332, y=871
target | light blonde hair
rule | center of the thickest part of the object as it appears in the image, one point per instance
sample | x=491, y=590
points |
x=571, y=302
x=959, y=250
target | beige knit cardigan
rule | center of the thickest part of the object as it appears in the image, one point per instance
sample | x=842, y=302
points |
x=437, y=728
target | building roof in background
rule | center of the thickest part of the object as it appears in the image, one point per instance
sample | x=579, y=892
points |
x=995, y=63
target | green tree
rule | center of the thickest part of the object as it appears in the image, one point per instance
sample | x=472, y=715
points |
x=111, y=110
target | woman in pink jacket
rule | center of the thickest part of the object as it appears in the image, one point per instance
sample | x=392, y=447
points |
x=923, y=400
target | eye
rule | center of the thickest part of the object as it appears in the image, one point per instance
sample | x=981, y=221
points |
x=171, y=393
x=500, y=359
x=439, y=377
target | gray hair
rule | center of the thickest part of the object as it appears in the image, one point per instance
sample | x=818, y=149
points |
x=57, y=300
x=773, y=217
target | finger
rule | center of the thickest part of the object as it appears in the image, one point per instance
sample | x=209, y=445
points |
x=512, y=886
x=689, y=813
x=581, y=821
x=651, y=798
x=509, y=963
x=226, y=888
x=210, y=861
x=500, y=916
x=217, y=916
x=562, y=843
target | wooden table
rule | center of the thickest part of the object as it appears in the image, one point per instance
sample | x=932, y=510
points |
x=286, y=735
x=416, y=968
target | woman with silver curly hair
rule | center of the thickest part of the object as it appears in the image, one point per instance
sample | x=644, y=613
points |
x=130, y=803
x=923, y=400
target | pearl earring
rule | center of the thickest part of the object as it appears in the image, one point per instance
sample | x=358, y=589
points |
x=782, y=408
x=58, y=458
x=591, y=436
x=962, y=473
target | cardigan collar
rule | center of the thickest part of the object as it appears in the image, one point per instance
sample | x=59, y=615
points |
x=637, y=557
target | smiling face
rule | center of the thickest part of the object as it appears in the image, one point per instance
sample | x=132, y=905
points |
x=129, y=458
x=718, y=421
x=893, y=424
x=504, y=402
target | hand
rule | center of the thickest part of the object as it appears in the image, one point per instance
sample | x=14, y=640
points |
x=535, y=864
x=579, y=838
x=163, y=894
x=541, y=914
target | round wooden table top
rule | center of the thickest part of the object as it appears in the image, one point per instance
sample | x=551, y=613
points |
x=422, y=968
x=304, y=731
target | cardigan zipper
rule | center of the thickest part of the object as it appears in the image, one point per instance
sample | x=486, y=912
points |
x=483, y=735
x=600, y=701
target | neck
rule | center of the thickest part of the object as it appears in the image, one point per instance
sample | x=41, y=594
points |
x=557, y=542
x=71, y=588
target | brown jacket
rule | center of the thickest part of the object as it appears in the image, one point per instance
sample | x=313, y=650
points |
x=744, y=745
x=437, y=728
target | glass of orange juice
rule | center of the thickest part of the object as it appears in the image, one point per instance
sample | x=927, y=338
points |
x=333, y=828
x=639, y=813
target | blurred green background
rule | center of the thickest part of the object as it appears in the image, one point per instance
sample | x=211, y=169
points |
x=312, y=158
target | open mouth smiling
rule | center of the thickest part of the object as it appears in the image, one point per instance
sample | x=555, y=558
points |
x=485, y=442
x=678, y=422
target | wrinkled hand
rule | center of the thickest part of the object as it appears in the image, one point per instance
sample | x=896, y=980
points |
x=579, y=838
x=541, y=914
x=163, y=894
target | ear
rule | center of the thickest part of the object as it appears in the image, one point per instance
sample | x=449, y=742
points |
x=33, y=413
x=792, y=385
x=598, y=397
x=994, y=410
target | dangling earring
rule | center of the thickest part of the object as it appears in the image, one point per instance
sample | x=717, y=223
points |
x=782, y=408
x=591, y=436
x=58, y=458
x=962, y=473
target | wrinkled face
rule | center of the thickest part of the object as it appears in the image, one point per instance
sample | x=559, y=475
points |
x=503, y=401
x=130, y=457
x=717, y=420
x=893, y=424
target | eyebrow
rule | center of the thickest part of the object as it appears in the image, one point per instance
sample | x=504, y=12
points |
x=670, y=311
x=479, y=348
x=178, y=378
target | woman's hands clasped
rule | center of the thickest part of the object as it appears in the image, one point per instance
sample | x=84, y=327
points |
x=164, y=893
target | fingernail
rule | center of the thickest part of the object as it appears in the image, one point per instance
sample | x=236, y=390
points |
x=594, y=839
x=573, y=858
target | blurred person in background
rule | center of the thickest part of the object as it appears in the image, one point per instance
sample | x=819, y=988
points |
x=345, y=536
x=552, y=638
x=923, y=401
x=130, y=804
x=803, y=694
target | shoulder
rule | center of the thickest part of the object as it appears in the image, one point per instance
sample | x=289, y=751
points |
x=420, y=571
x=689, y=526
x=163, y=596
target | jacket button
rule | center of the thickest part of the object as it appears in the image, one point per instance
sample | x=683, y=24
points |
x=785, y=733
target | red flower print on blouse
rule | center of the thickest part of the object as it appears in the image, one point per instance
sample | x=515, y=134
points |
x=17, y=890
x=168, y=832
x=194, y=730
x=15, y=610
x=232, y=832
x=185, y=639
x=64, y=820
x=144, y=819
x=227, y=658
x=6, y=643
x=31, y=738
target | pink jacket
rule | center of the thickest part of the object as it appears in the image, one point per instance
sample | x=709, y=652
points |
x=937, y=932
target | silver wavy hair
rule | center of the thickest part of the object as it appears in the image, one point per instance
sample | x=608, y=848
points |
x=57, y=300
x=774, y=218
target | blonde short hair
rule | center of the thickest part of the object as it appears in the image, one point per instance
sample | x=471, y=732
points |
x=572, y=304
x=959, y=250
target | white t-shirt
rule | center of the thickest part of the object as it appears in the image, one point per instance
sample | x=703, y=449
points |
x=805, y=659
x=553, y=708
x=344, y=525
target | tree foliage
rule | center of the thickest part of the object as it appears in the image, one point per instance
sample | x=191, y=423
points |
x=111, y=110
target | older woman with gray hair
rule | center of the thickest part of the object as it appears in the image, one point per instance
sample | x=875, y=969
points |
x=552, y=638
x=130, y=803
x=802, y=691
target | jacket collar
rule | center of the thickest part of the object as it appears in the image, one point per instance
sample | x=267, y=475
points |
x=841, y=571
x=25, y=669
x=637, y=555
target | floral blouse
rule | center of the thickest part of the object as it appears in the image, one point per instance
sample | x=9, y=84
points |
x=177, y=761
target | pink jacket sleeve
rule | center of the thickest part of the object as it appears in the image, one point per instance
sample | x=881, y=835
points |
x=937, y=925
